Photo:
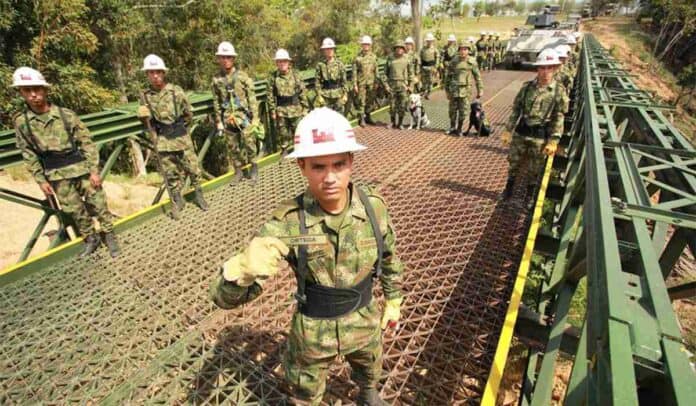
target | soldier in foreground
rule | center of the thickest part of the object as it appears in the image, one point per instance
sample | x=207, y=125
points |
x=347, y=243
x=236, y=111
x=398, y=84
x=331, y=80
x=169, y=112
x=430, y=60
x=462, y=74
x=287, y=99
x=59, y=152
x=536, y=124
x=365, y=77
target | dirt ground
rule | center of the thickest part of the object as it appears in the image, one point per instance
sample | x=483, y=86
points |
x=18, y=222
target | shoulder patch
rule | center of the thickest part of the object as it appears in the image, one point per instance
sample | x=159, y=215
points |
x=284, y=208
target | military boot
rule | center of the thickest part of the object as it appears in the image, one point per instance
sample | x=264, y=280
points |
x=392, y=124
x=370, y=397
x=369, y=120
x=460, y=128
x=178, y=199
x=111, y=244
x=362, y=122
x=237, y=175
x=453, y=127
x=400, y=126
x=199, y=199
x=91, y=244
x=254, y=172
x=509, y=186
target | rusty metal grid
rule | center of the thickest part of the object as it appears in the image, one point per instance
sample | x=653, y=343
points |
x=140, y=330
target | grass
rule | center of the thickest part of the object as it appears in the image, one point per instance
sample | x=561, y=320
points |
x=151, y=179
x=18, y=172
x=470, y=27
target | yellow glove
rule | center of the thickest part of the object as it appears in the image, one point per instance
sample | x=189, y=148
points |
x=143, y=112
x=259, y=261
x=392, y=313
x=551, y=147
x=506, y=137
x=231, y=120
x=344, y=99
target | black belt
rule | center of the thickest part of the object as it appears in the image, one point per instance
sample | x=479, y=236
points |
x=324, y=302
x=531, y=131
x=330, y=84
x=55, y=160
x=287, y=100
x=176, y=129
x=427, y=63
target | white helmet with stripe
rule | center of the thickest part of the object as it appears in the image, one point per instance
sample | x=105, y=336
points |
x=25, y=76
x=324, y=132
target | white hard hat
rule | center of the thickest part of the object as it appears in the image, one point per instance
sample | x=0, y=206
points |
x=153, y=62
x=26, y=76
x=282, y=55
x=451, y=38
x=570, y=39
x=327, y=43
x=483, y=32
x=429, y=37
x=562, y=51
x=225, y=49
x=471, y=39
x=366, y=40
x=547, y=57
x=409, y=40
x=324, y=132
x=577, y=34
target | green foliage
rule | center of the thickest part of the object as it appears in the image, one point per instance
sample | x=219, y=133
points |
x=536, y=6
x=687, y=78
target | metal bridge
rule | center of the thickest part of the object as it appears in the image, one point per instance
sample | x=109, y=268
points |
x=139, y=329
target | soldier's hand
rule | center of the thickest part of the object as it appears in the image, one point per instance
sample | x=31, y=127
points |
x=480, y=94
x=47, y=189
x=231, y=120
x=259, y=261
x=355, y=89
x=220, y=127
x=344, y=99
x=143, y=112
x=506, y=137
x=95, y=180
x=274, y=116
x=551, y=147
x=392, y=313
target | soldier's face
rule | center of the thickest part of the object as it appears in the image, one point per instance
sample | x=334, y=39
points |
x=328, y=176
x=409, y=47
x=34, y=96
x=545, y=73
x=328, y=53
x=156, y=78
x=399, y=51
x=225, y=62
x=463, y=52
x=366, y=47
x=283, y=66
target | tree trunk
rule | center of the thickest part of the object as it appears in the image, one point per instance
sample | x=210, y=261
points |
x=671, y=44
x=416, y=18
x=663, y=30
x=120, y=83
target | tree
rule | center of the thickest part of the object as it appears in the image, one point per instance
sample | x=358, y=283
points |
x=416, y=19
x=687, y=82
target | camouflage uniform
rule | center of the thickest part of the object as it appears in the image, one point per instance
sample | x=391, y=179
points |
x=347, y=259
x=482, y=52
x=461, y=76
x=448, y=52
x=430, y=60
x=170, y=106
x=365, y=77
x=490, y=53
x=565, y=76
x=399, y=81
x=415, y=69
x=498, y=50
x=40, y=135
x=287, y=98
x=537, y=116
x=332, y=84
x=233, y=95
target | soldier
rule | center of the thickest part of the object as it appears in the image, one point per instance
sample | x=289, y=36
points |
x=287, y=99
x=398, y=84
x=498, y=49
x=491, y=50
x=167, y=108
x=59, y=152
x=572, y=42
x=236, y=111
x=462, y=72
x=415, y=62
x=472, y=48
x=330, y=79
x=430, y=60
x=482, y=50
x=448, y=52
x=336, y=314
x=565, y=73
x=365, y=77
x=536, y=123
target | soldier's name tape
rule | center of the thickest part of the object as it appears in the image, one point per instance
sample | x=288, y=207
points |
x=310, y=239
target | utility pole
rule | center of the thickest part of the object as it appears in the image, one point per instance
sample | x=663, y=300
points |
x=416, y=17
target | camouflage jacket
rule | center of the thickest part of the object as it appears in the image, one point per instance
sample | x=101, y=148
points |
x=448, y=53
x=233, y=93
x=331, y=79
x=167, y=106
x=534, y=106
x=565, y=75
x=365, y=69
x=461, y=76
x=497, y=45
x=415, y=63
x=346, y=259
x=398, y=74
x=429, y=57
x=482, y=45
x=38, y=134
x=287, y=96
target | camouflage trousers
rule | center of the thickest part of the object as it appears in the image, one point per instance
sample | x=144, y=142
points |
x=241, y=146
x=286, y=130
x=177, y=165
x=79, y=199
x=398, y=102
x=307, y=374
x=366, y=98
x=428, y=76
x=526, y=154
x=481, y=60
x=334, y=103
x=459, y=108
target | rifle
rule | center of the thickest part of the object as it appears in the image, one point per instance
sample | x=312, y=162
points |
x=153, y=139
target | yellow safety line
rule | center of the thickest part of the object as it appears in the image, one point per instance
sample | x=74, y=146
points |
x=496, y=373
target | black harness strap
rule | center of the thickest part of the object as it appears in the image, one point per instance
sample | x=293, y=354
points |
x=301, y=271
